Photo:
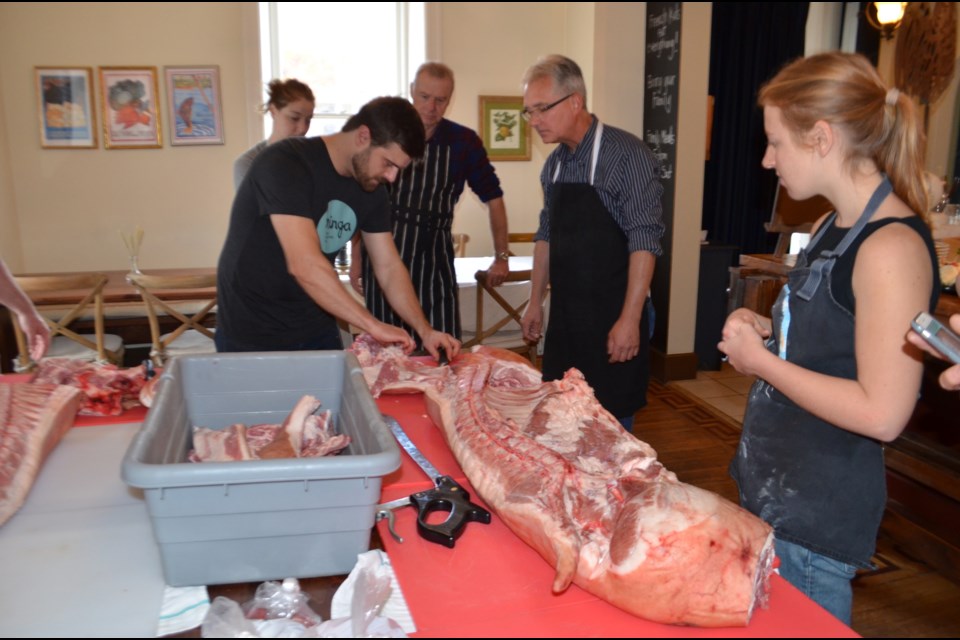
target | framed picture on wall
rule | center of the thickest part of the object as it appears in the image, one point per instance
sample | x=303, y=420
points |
x=65, y=107
x=505, y=134
x=130, y=99
x=194, y=105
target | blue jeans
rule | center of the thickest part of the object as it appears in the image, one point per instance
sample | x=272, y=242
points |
x=627, y=423
x=824, y=580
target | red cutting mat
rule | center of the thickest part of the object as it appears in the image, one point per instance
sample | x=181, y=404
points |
x=493, y=584
x=135, y=414
x=411, y=412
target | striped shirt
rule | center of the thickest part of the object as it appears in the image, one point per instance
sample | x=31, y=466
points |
x=626, y=180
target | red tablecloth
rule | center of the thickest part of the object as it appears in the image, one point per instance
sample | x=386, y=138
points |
x=493, y=584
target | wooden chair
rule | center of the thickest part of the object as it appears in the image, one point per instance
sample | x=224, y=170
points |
x=519, y=238
x=503, y=329
x=791, y=216
x=65, y=341
x=175, y=297
x=460, y=241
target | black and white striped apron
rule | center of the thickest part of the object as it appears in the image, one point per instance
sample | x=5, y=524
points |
x=423, y=201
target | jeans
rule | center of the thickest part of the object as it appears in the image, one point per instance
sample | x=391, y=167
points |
x=324, y=342
x=627, y=423
x=824, y=580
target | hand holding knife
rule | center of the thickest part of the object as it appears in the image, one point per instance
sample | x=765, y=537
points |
x=446, y=495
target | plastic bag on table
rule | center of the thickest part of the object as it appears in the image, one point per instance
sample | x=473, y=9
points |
x=281, y=600
x=278, y=610
x=368, y=587
x=225, y=619
x=281, y=611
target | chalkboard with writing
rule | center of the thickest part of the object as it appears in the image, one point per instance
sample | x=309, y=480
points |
x=661, y=88
x=661, y=79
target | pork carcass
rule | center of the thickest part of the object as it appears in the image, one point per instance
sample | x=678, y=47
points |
x=590, y=498
x=107, y=389
x=303, y=434
x=33, y=419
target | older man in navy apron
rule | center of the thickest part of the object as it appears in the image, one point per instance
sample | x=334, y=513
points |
x=597, y=243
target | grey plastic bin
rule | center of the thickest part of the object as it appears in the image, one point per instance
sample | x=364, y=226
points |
x=224, y=522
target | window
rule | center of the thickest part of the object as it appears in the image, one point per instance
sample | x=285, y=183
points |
x=347, y=52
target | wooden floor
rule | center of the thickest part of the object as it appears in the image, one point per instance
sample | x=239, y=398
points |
x=901, y=598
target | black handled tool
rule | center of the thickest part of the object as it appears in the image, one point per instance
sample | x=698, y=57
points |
x=446, y=495
x=443, y=359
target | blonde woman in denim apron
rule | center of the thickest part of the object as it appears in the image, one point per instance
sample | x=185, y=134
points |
x=836, y=377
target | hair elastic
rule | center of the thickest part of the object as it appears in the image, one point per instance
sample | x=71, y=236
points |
x=893, y=94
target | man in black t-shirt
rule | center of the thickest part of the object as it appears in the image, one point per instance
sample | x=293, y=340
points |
x=304, y=198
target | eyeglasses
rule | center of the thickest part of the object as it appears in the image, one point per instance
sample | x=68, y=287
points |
x=527, y=114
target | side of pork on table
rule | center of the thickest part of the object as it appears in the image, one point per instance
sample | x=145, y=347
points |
x=590, y=498
x=33, y=420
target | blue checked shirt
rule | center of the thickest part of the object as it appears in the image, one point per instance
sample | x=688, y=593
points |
x=626, y=180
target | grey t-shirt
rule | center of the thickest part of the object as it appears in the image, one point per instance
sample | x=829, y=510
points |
x=242, y=164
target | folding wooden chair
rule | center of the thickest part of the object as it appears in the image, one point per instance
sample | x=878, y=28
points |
x=460, y=241
x=170, y=296
x=54, y=298
x=503, y=327
x=519, y=238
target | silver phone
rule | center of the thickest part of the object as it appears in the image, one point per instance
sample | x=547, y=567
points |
x=938, y=336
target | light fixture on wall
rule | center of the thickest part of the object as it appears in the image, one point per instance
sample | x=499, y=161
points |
x=886, y=16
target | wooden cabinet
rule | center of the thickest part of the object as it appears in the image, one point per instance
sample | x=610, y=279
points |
x=923, y=464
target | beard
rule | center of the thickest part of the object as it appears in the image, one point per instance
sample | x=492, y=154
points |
x=361, y=164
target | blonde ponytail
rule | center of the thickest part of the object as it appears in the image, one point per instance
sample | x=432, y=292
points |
x=880, y=124
x=901, y=158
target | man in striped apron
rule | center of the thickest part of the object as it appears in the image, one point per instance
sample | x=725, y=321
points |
x=424, y=197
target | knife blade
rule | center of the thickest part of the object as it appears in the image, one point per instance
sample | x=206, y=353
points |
x=446, y=495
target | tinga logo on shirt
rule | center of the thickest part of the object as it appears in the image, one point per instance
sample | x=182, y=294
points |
x=336, y=226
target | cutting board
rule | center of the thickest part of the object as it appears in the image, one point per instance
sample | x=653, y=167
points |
x=492, y=584
x=79, y=558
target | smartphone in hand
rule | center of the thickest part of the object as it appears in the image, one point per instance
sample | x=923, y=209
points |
x=937, y=336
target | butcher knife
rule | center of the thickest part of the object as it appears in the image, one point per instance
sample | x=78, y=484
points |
x=446, y=495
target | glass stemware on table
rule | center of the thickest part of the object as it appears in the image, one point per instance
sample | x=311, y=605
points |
x=133, y=242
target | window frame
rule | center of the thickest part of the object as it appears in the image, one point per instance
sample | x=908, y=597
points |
x=410, y=53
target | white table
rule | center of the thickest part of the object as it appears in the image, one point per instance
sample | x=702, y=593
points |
x=79, y=558
x=466, y=267
x=513, y=292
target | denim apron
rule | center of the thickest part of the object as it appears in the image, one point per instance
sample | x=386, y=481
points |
x=589, y=269
x=819, y=486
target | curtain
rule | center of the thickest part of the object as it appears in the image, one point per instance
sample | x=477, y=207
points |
x=750, y=42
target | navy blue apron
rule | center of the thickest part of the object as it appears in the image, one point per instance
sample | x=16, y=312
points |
x=589, y=268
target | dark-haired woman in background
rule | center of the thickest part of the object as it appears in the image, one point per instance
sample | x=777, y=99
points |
x=290, y=105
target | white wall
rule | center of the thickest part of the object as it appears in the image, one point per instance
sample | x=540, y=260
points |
x=619, y=41
x=489, y=45
x=691, y=155
x=66, y=207
x=9, y=223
